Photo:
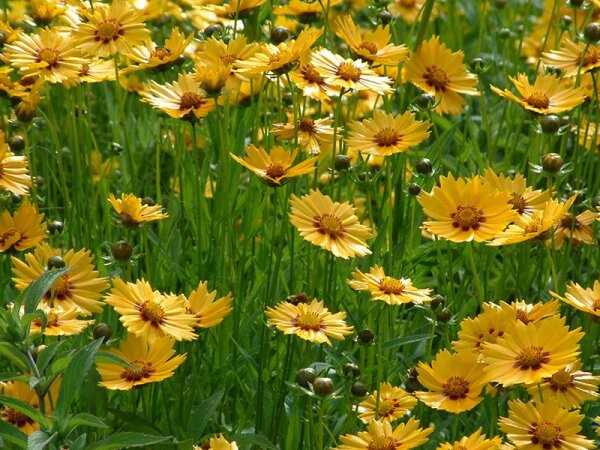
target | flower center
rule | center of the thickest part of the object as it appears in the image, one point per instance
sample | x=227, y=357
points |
x=523, y=316
x=152, y=312
x=592, y=57
x=308, y=321
x=533, y=226
x=596, y=305
x=467, y=217
x=276, y=170
x=329, y=224
x=538, y=100
x=456, y=387
x=545, y=434
x=567, y=222
x=532, y=358
x=436, y=78
x=17, y=418
x=386, y=407
x=109, y=30
x=228, y=59
x=312, y=76
x=50, y=57
x=391, y=285
x=62, y=289
x=143, y=370
x=190, y=100
x=161, y=53
x=561, y=381
x=52, y=320
x=9, y=237
x=347, y=71
x=518, y=202
x=383, y=443
x=306, y=125
x=387, y=137
x=407, y=3
x=369, y=46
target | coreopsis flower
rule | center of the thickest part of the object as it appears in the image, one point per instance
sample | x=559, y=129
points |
x=394, y=403
x=309, y=80
x=524, y=199
x=235, y=7
x=207, y=311
x=466, y=210
x=348, y=74
x=437, y=70
x=43, y=11
x=543, y=426
x=393, y=291
x=540, y=222
x=309, y=321
x=79, y=288
x=26, y=109
x=408, y=10
x=93, y=71
x=570, y=387
x=583, y=299
x=150, y=314
x=381, y=435
x=23, y=230
x=330, y=225
x=275, y=168
x=573, y=58
x=386, y=134
x=60, y=322
x=373, y=46
x=152, y=361
x=281, y=58
x=14, y=171
x=50, y=55
x=217, y=443
x=527, y=353
x=475, y=441
x=152, y=55
x=531, y=312
x=548, y=95
x=454, y=381
x=132, y=211
x=588, y=134
x=302, y=8
x=577, y=229
x=111, y=28
x=314, y=135
x=228, y=55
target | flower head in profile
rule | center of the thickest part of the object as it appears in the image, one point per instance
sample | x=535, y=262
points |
x=307, y=78
x=381, y=435
x=132, y=211
x=149, y=362
x=543, y=426
x=583, y=299
x=14, y=171
x=548, y=95
x=531, y=312
x=386, y=134
x=330, y=225
x=527, y=353
x=60, y=322
x=217, y=443
x=152, y=55
x=23, y=230
x=80, y=288
x=466, y=210
x=314, y=135
x=393, y=291
x=274, y=168
x=393, y=404
x=573, y=58
x=309, y=321
x=577, y=229
x=437, y=70
x=475, y=441
x=454, y=381
x=202, y=305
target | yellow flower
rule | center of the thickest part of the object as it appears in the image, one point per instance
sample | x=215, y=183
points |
x=60, y=322
x=80, y=287
x=466, y=210
x=111, y=28
x=227, y=55
x=23, y=230
x=330, y=225
x=381, y=436
x=529, y=353
x=132, y=211
x=573, y=58
x=583, y=299
x=475, y=441
x=235, y=7
x=150, y=361
x=437, y=70
x=314, y=135
x=543, y=426
x=217, y=443
x=308, y=78
x=393, y=291
x=393, y=403
x=152, y=55
x=150, y=314
x=548, y=95
x=309, y=321
x=531, y=312
x=14, y=173
x=49, y=55
x=303, y=8
x=202, y=305
x=454, y=380
x=408, y=10
x=386, y=134
x=274, y=168
x=372, y=46
x=577, y=229
x=93, y=71
x=526, y=228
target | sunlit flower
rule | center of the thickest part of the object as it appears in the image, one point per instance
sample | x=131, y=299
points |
x=314, y=135
x=235, y=7
x=132, y=211
x=22, y=230
x=153, y=55
x=202, y=305
x=577, y=229
x=475, y=441
x=217, y=443
x=408, y=10
x=60, y=322
x=588, y=132
x=393, y=403
x=573, y=58
x=381, y=436
x=309, y=80
x=303, y=8
x=531, y=312
x=583, y=299
x=14, y=171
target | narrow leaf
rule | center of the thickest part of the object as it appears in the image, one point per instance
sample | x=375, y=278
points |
x=24, y=408
x=31, y=296
x=12, y=434
x=127, y=439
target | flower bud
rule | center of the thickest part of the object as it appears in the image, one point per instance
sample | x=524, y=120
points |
x=550, y=124
x=342, y=162
x=55, y=227
x=279, y=34
x=358, y=389
x=56, y=262
x=366, y=336
x=305, y=376
x=592, y=32
x=16, y=143
x=102, y=330
x=323, y=386
x=414, y=189
x=552, y=162
x=424, y=166
x=121, y=250
x=444, y=315
x=351, y=369
x=385, y=17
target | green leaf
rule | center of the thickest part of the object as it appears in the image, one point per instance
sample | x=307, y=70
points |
x=79, y=443
x=74, y=376
x=202, y=415
x=38, y=440
x=30, y=297
x=85, y=419
x=14, y=355
x=256, y=440
x=12, y=434
x=111, y=358
x=46, y=355
x=127, y=439
x=24, y=408
x=405, y=340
